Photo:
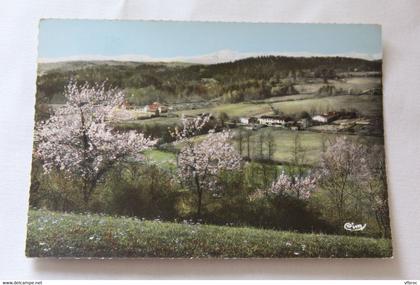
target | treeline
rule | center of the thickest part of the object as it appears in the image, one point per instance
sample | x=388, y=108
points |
x=150, y=192
x=251, y=78
x=264, y=67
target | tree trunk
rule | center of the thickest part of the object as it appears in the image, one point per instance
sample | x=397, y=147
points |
x=199, y=198
x=87, y=192
x=248, y=145
x=240, y=141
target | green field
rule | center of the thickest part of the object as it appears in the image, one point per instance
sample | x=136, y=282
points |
x=154, y=121
x=366, y=104
x=164, y=159
x=348, y=84
x=89, y=235
x=312, y=144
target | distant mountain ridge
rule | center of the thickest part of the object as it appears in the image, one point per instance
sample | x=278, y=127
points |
x=300, y=61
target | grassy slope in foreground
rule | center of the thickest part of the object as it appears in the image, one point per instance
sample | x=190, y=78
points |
x=75, y=235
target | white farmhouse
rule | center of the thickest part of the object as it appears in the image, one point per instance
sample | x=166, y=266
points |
x=326, y=117
x=248, y=121
x=244, y=120
x=320, y=119
x=272, y=120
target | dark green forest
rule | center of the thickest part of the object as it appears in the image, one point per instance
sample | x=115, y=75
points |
x=246, y=79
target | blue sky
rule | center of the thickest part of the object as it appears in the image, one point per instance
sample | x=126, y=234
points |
x=160, y=39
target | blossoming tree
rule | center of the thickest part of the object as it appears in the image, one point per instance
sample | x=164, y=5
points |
x=200, y=163
x=78, y=140
x=377, y=193
x=299, y=187
x=343, y=169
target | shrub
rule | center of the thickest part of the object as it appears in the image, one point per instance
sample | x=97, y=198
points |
x=144, y=191
x=54, y=191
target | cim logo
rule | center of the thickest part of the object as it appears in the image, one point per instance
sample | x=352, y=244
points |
x=352, y=227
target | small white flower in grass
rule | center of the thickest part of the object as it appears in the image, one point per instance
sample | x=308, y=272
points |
x=288, y=243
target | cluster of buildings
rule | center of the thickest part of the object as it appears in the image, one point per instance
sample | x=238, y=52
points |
x=131, y=112
x=157, y=109
x=289, y=122
x=279, y=121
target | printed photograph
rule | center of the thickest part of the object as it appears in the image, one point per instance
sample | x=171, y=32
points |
x=208, y=140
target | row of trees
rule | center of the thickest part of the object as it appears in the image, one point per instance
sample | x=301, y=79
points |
x=257, y=147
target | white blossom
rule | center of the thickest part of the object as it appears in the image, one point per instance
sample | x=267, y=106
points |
x=300, y=187
x=345, y=158
x=190, y=127
x=200, y=163
x=78, y=139
x=206, y=159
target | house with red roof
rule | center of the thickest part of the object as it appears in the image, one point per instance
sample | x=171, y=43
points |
x=155, y=107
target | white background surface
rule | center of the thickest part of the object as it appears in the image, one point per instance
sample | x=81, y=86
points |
x=401, y=38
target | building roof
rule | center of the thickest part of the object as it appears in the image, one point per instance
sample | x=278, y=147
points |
x=281, y=118
x=155, y=106
x=328, y=115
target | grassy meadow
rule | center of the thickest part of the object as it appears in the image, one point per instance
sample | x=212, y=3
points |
x=53, y=234
x=313, y=144
x=365, y=104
